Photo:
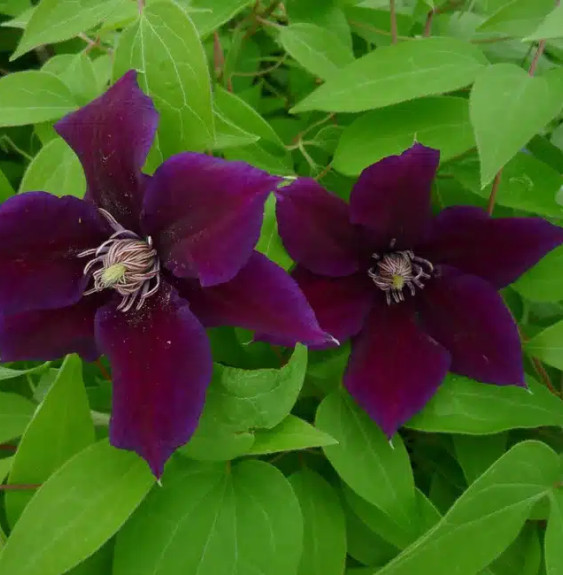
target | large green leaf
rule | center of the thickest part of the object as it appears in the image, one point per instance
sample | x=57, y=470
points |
x=212, y=519
x=486, y=518
x=517, y=17
x=397, y=73
x=553, y=547
x=208, y=18
x=438, y=122
x=543, y=282
x=58, y=20
x=164, y=45
x=500, y=94
x=378, y=470
x=475, y=453
x=317, y=49
x=15, y=414
x=55, y=169
x=240, y=401
x=551, y=27
x=60, y=428
x=30, y=97
x=462, y=405
x=526, y=184
x=523, y=556
x=78, y=509
x=324, y=544
x=289, y=435
x=548, y=345
x=268, y=152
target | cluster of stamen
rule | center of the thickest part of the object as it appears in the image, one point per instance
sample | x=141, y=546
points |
x=398, y=270
x=125, y=263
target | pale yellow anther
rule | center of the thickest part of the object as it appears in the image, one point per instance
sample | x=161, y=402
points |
x=398, y=282
x=113, y=274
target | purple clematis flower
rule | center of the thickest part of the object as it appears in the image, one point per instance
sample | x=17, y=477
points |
x=417, y=294
x=116, y=273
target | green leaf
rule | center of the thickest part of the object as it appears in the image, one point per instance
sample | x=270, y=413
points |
x=552, y=542
x=57, y=20
x=548, y=345
x=15, y=414
x=9, y=373
x=240, y=520
x=500, y=94
x=317, y=49
x=486, y=518
x=239, y=401
x=164, y=45
x=5, y=466
x=270, y=243
x=376, y=469
x=551, y=27
x=55, y=169
x=526, y=184
x=229, y=135
x=289, y=435
x=438, y=122
x=77, y=72
x=207, y=19
x=78, y=509
x=324, y=544
x=543, y=282
x=397, y=533
x=462, y=405
x=6, y=189
x=476, y=453
x=523, y=556
x=60, y=428
x=13, y=7
x=393, y=74
x=268, y=152
x=30, y=97
x=517, y=18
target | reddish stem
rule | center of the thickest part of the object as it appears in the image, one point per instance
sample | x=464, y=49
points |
x=393, y=15
x=493, y=195
x=428, y=24
x=7, y=447
x=103, y=370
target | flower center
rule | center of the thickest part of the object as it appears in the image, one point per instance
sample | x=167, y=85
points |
x=395, y=271
x=125, y=263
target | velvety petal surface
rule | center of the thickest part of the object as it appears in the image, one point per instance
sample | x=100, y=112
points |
x=340, y=304
x=316, y=230
x=392, y=197
x=261, y=297
x=205, y=215
x=394, y=367
x=112, y=136
x=41, y=236
x=43, y=335
x=468, y=317
x=496, y=249
x=161, y=366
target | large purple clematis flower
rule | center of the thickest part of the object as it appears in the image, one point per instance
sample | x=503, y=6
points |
x=116, y=273
x=417, y=294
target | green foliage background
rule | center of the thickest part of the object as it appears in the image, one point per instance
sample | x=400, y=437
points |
x=285, y=475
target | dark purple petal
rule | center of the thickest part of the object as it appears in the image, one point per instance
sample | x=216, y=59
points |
x=205, y=215
x=340, y=304
x=467, y=316
x=112, y=136
x=43, y=335
x=392, y=197
x=161, y=365
x=394, y=367
x=40, y=238
x=261, y=297
x=316, y=230
x=498, y=250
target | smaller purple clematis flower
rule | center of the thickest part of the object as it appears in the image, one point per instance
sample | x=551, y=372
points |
x=417, y=294
x=139, y=268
